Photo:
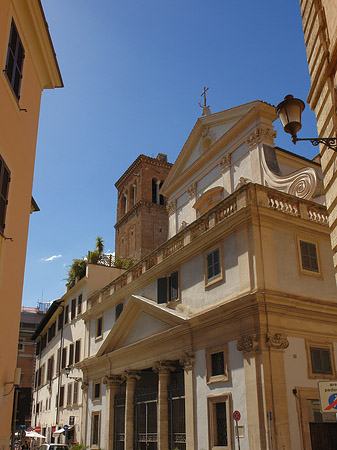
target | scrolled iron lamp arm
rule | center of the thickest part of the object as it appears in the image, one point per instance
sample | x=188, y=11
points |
x=329, y=142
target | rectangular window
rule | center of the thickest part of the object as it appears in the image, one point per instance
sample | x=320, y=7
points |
x=58, y=360
x=168, y=288
x=14, y=62
x=38, y=348
x=4, y=186
x=219, y=422
x=77, y=350
x=66, y=314
x=69, y=394
x=73, y=308
x=43, y=369
x=321, y=361
x=71, y=355
x=51, y=331
x=99, y=327
x=79, y=304
x=217, y=364
x=64, y=358
x=309, y=257
x=213, y=266
x=75, y=395
x=95, y=429
x=118, y=311
x=60, y=320
x=43, y=342
x=97, y=391
x=61, y=400
x=50, y=368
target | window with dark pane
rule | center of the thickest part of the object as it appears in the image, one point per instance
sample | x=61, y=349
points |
x=71, y=354
x=66, y=314
x=309, y=256
x=95, y=429
x=221, y=424
x=73, y=308
x=321, y=360
x=60, y=320
x=79, y=304
x=4, y=185
x=99, y=326
x=119, y=309
x=213, y=264
x=97, y=390
x=162, y=290
x=77, y=350
x=218, y=364
x=14, y=62
x=173, y=286
x=61, y=401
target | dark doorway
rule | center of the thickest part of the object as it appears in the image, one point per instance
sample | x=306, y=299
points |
x=323, y=435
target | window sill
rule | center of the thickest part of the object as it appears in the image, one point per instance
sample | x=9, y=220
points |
x=211, y=283
x=218, y=379
x=98, y=338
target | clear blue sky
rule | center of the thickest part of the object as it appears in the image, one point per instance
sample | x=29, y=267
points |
x=133, y=72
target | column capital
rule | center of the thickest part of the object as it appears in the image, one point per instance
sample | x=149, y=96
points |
x=247, y=344
x=277, y=341
x=187, y=361
x=163, y=366
x=130, y=375
x=112, y=380
x=85, y=386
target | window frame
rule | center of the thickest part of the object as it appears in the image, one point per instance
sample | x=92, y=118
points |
x=4, y=195
x=220, y=277
x=79, y=304
x=302, y=270
x=77, y=354
x=168, y=287
x=71, y=354
x=212, y=400
x=323, y=346
x=95, y=445
x=96, y=382
x=69, y=394
x=16, y=69
x=61, y=397
x=118, y=313
x=225, y=377
x=98, y=337
x=73, y=309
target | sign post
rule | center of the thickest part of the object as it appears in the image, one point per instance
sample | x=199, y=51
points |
x=237, y=417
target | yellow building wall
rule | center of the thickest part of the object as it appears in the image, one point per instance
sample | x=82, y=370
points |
x=320, y=35
x=18, y=134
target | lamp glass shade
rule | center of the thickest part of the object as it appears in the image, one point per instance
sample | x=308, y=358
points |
x=290, y=112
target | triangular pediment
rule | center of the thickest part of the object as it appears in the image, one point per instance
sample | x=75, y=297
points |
x=207, y=135
x=140, y=319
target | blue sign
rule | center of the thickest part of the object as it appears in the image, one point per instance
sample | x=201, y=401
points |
x=65, y=427
x=22, y=427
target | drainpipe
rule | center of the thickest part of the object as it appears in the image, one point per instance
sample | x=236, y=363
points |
x=59, y=372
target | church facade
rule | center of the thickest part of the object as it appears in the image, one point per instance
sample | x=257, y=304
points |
x=235, y=311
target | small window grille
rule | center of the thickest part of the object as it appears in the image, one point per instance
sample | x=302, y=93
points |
x=321, y=361
x=221, y=424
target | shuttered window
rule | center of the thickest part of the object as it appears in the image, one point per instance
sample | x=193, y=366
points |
x=4, y=185
x=213, y=264
x=119, y=309
x=77, y=350
x=168, y=288
x=71, y=354
x=79, y=304
x=321, y=360
x=309, y=256
x=218, y=363
x=14, y=62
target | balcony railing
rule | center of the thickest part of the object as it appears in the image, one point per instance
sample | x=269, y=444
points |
x=248, y=195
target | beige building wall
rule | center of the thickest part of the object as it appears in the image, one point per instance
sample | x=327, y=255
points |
x=320, y=35
x=19, y=117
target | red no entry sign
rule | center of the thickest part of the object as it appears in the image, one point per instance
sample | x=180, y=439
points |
x=236, y=416
x=38, y=429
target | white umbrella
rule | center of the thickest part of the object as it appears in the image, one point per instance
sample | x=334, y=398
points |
x=34, y=434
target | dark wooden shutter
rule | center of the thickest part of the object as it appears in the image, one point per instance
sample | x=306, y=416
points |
x=174, y=286
x=4, y=186
x=119, y=309
x=162, y=290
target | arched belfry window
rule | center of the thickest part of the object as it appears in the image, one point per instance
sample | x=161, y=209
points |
x=156, y=197
x=208, y=199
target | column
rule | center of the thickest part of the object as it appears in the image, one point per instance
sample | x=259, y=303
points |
x=163, y=368
x=188, y=362
x=131, y=376
x=84, y=412
x=112, y=383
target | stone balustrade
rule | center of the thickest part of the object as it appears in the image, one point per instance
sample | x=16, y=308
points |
x=247, y=195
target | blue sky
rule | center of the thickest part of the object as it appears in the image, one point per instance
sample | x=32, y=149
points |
x=133, y=72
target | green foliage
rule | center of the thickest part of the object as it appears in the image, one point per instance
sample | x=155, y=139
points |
x=123, y=263
x=99, y=245
x=76, y=270
x=78, y=447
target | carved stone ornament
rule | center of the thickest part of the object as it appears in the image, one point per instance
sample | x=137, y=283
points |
x=172, y=206
x=163, y=366
x=192, y=190
x=303, y=183
x=187, y=361
x=247, y=344
x=112, y=380
x=276, y=341
x=261, y=134
x=183, y=225
x=207, y=139
x=242, y=181
x=85, y=386
x=225, y=162
x=132, y=375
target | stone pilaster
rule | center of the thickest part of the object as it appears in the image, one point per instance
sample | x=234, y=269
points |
x=163, y=368
x=187, y=361
x=112, y=383
x=131, y=377
x=84, y=411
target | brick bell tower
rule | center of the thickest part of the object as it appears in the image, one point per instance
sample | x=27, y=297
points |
x=142, y=219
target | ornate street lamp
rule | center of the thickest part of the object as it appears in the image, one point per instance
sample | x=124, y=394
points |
x=289, y=112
